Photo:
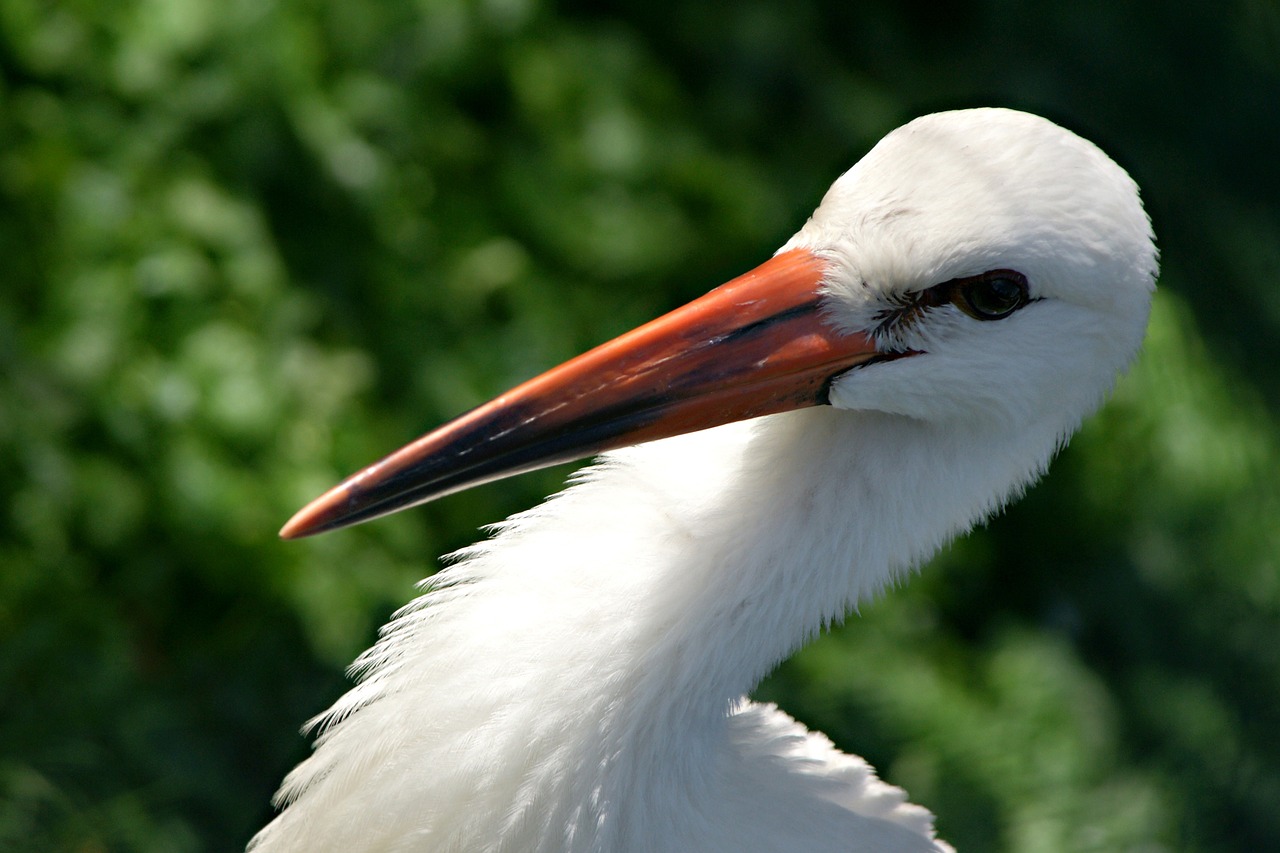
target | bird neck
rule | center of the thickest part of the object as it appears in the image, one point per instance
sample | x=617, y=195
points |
x=729, y=549
x=586, y=664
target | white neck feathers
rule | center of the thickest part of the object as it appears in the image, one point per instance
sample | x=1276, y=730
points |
x=598, y=636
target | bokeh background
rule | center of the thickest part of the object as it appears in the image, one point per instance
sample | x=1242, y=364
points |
x=247, y=247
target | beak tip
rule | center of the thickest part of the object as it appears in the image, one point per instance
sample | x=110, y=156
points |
x=324, y=513
x=296, y=527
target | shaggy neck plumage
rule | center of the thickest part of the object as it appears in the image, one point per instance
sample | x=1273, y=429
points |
x=733, y=547
x=584, y=664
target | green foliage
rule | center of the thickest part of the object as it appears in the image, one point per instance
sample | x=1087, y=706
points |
x=248, y=247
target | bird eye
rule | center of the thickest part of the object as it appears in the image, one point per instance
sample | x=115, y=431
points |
x=992, y=295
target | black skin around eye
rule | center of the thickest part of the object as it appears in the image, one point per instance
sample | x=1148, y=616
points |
x=992, y=295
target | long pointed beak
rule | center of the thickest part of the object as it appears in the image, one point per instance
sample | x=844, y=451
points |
x=754, y=346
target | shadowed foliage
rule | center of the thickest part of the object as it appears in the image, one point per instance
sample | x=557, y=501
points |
x=249, y=247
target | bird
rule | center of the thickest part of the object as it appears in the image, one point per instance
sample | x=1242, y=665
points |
x=768, y=456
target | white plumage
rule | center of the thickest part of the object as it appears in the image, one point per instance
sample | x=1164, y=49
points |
x=578, y=681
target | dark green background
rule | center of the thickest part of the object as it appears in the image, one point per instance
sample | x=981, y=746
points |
x=248, y=247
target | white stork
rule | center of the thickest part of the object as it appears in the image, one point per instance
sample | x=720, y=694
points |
x=908, y=362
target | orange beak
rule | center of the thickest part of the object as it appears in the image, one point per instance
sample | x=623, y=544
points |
x=754, y=346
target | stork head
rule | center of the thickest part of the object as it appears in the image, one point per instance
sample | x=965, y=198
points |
x=984, y=266
x=1013, y=253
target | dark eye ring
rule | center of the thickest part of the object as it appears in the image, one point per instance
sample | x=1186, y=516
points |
x=993, y=295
